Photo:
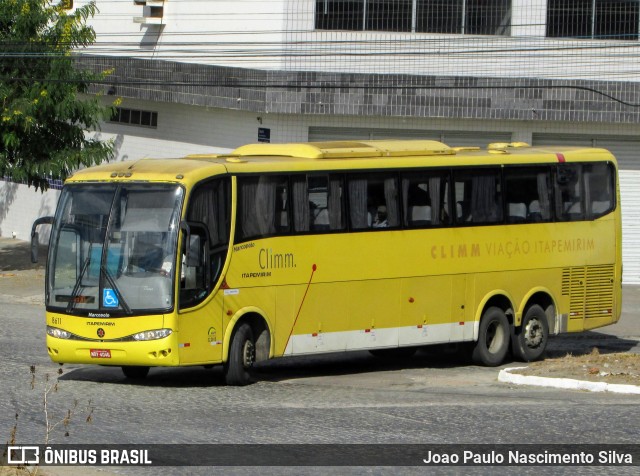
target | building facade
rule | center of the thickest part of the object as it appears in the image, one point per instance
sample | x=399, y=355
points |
x=207, y=76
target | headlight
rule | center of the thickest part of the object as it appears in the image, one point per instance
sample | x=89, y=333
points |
x=152, y=335
x=58, y=333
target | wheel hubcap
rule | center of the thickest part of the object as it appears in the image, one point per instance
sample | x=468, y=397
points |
x=533, y=333
x=248, y=354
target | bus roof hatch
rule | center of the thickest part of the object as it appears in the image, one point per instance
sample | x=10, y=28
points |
x=346, y=149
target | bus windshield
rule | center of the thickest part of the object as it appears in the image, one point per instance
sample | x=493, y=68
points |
x=113, y=248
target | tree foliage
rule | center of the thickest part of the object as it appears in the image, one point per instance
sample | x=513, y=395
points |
x=45, y=108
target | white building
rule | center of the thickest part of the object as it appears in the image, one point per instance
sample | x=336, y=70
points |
x=209, y=75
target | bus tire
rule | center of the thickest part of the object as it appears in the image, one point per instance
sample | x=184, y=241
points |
x=135, y=372
x=531, y=338
x=493, y=338
x=242, y=356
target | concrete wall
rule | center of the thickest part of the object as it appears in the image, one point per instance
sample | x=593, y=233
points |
x=280, y=35
x=351, y=94
x=20, y=205
x=226, y=32
x=182, y=129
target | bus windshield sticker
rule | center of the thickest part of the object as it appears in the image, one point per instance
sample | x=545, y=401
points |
x=109, y=298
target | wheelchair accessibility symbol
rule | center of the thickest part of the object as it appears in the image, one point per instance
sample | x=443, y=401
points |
x=109, y=298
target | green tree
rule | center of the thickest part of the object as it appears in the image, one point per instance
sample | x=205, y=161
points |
x=45, y=105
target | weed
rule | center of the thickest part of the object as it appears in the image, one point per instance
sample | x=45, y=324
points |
x=48, y=387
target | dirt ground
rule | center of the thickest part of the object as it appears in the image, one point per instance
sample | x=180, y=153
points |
x=618, y=368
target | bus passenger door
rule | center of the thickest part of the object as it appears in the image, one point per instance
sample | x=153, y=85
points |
x=200, y=333
x=200, y=315
x=205, y=234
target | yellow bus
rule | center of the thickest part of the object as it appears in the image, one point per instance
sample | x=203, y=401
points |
x=289, y=249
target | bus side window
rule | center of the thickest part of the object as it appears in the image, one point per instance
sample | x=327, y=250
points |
x=262, y=201
x=599, y=187
x=373, y=201
x=282, y=207
x=527, y=192
x=318, y=203
x=569, y=192
x=424, y=199
x=195, y=282
x=478, y=192
x=325, y=201
x=301, y=206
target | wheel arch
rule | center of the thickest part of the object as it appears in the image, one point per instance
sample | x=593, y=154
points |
x=260, y=326
x=498, y=298
x=542, y=297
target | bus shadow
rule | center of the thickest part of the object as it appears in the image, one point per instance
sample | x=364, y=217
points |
x=431, y=357
x=344, y=363
x=181, y=377
x=361, y=362
x=286, y=368
x=583, y=343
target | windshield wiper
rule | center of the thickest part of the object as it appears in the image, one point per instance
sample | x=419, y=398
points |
x=78, y=284
x=110, y=280
x=112, y=283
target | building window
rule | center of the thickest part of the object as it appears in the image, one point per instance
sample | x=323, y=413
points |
x=135, y=117
x=473, y=17
x=598, y=19
x=388, y=15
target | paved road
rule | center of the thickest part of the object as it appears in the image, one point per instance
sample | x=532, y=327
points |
x=351, y=398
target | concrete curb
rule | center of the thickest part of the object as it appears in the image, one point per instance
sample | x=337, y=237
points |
x=506, y=376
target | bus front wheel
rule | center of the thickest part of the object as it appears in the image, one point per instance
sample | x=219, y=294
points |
x=531, y=339
x=493, y=338
x=242, y=356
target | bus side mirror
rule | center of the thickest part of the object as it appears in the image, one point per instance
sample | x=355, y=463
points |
x=35, y=243
x=194, y=252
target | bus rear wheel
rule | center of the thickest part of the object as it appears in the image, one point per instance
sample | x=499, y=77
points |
x=493, y=338
x=531, y=339
x=242, y=356
x=135, y=372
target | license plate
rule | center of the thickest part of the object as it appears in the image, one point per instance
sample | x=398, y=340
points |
x=100, y=353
